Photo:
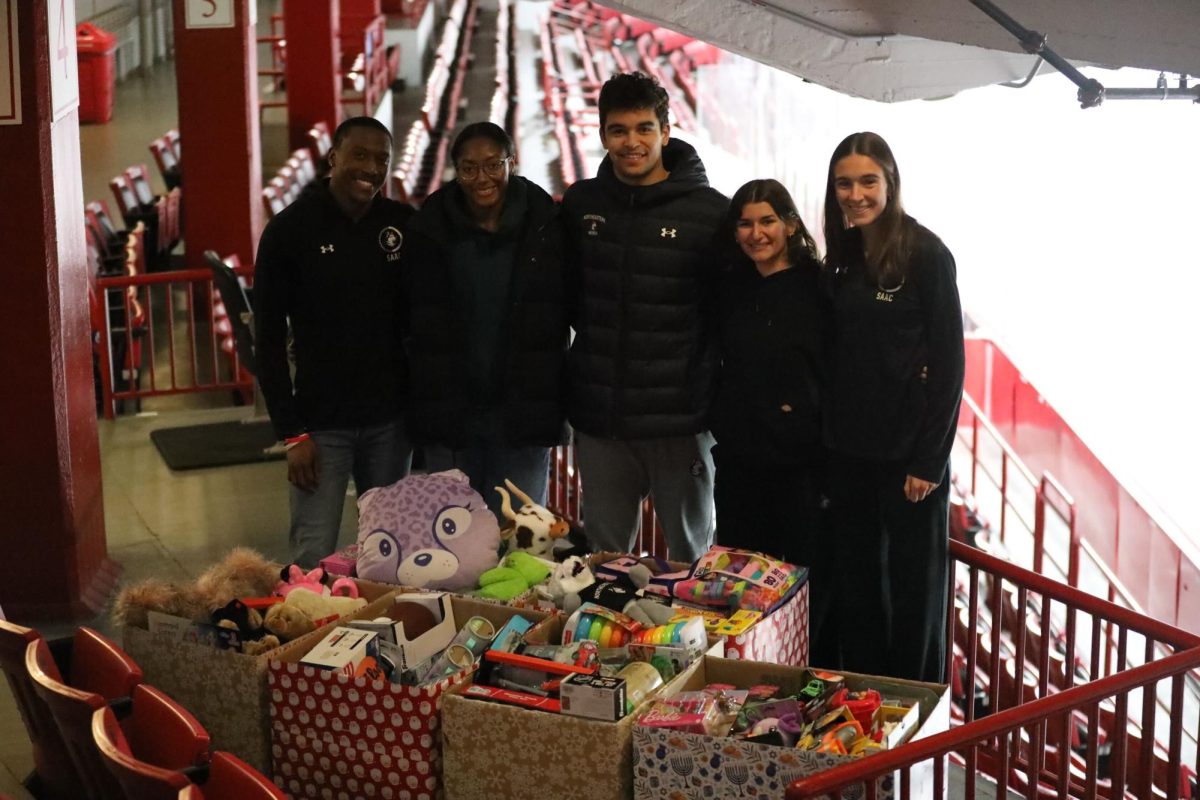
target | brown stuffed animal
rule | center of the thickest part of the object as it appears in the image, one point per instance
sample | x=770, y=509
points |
x=242, y=573
x=287, y=622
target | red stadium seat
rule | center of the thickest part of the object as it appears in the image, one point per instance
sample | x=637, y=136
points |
x=54, y=772
x=150, y=751
x=100, y=673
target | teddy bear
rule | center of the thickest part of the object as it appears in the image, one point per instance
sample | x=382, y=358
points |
x=301, y=611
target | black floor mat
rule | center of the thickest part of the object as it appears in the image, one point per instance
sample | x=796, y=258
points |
x=215, y=444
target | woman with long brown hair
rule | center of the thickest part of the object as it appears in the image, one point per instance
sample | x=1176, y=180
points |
x=896, y=385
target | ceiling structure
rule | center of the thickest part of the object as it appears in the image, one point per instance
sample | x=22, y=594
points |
x=892, y=50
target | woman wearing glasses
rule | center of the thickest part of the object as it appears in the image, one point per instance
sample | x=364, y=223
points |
x=487, y=327
x=895, y=390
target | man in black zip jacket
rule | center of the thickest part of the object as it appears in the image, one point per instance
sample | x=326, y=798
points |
x=642, y=365
x=328, y=264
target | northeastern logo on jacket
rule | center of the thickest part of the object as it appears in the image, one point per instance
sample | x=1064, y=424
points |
x=390, y=240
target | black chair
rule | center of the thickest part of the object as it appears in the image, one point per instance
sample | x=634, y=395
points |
x=237, y=305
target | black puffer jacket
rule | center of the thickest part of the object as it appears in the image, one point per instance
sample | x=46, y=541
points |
x=644, y=258
x=532, y=354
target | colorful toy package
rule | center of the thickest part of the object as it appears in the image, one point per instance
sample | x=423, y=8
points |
x=725, y=576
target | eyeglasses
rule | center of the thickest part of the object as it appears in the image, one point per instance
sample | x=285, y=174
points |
x=493, y=169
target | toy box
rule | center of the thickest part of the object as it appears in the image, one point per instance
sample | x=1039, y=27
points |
x=493, y=751
x=333, y=735
x=781, y=637
x=224, y=689
x=676, y=765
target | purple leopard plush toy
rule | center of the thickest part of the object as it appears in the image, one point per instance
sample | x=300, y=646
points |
x=426, y=530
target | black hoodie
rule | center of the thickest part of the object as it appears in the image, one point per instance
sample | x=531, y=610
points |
x=337, y=282
x=644, y=261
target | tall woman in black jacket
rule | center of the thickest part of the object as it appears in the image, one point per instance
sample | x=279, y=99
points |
x=487, y=324
x=767, y=414
x=895, y=391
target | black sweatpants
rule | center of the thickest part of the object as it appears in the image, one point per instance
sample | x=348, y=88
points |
x=891, y=564
x=779, y=511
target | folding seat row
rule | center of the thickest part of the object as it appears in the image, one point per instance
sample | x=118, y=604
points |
x=232, y=317
x=165, y=150
x=289, y=181
x=98, y=732
x=408, y=163
x=160, y=213
x=443, y=97
x=503, y=108
x=320, y=143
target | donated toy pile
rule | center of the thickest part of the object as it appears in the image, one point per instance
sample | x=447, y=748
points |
x=436, y=599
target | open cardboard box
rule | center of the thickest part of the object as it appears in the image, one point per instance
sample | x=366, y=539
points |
x=359, y=737
x=224, y=689
x=673, y=765
x=779, y=638
x=493, y=751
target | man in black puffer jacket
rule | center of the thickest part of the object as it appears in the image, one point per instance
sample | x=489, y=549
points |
x=487, y=323
x=643, y=362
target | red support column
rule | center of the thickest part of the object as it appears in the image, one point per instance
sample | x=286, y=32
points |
x=216, y=66
x=314, y=81
x=52, y=524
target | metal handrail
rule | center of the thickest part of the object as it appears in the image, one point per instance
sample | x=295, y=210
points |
x=974, y=734
x=991, y=733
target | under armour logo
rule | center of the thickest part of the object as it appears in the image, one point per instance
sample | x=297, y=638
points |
x=667, y=232
x=326, y=248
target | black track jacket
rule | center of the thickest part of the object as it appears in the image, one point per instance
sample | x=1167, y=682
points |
x=338, y=282
x=643, y=362
x=882, y=407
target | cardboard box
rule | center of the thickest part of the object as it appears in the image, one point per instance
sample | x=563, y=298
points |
x=493, y=751
x=416, y=650
x=673, y=765
x=781, y=637
x=224, y=689
x=333, y=735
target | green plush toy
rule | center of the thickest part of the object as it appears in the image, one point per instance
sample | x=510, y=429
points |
x=516, y=574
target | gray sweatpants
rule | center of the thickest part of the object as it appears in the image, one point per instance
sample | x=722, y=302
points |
x=618, y=475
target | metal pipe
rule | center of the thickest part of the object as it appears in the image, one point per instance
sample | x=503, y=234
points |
x=1037, y=67
x=1091, y=92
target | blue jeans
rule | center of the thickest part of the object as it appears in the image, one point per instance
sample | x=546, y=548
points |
x=377, y=455
x=488, y=464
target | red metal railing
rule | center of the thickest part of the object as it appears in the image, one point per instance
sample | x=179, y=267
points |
x=1045, y=735
x=188, y=348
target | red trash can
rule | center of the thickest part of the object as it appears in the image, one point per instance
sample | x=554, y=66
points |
x=97, y=72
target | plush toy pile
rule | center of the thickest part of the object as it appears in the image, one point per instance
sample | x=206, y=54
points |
x=233, y=594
